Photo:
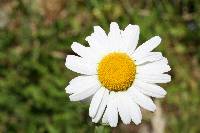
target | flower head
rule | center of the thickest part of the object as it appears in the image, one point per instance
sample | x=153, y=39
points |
x=116, y=75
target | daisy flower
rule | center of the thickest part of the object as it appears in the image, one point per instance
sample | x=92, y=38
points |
x=116, y=76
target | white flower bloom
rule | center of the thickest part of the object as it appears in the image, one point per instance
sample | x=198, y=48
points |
x=117, y=76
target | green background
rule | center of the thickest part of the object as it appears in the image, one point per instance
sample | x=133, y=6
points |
x=35, y=37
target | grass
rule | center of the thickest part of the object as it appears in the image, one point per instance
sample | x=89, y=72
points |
x=35, y=37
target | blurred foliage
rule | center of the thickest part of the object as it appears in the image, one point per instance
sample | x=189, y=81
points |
x=35, y=37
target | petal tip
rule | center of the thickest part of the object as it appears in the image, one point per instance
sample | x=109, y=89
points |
x=133, y=27
x=154, y=109
x=88, y=38
x=72, y=98
x=138, y=122
x=113, y=125
x=67, y=61
x=94, y=121
x=114, y=25
x=158, y=38
x=97, y=27
x=67, y=89
x=136, y=27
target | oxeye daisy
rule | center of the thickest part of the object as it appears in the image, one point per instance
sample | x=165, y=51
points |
x=118, y=77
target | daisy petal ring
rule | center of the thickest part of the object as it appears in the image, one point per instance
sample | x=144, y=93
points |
x=118, y=77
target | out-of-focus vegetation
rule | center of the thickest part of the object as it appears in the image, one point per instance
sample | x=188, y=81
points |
x=35, y=37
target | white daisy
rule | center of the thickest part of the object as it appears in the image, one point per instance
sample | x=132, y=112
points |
x=118, y=77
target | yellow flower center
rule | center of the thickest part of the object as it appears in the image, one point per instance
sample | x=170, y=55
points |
x=116, y=71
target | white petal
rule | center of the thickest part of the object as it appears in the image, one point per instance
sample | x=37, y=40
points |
x=83, y=79
x=96, y=101
x=100, y=32
x=134, y=110
x=71, y=89
x=150, y=57
x=76, y=84
x=123, y=108
x=141, y=99
x=154, y=78
x=101, y=106
x=157, y=67
x=94, y=44
x=105, y=118
x=98, y=41
x=147, y=46
x=77, y=64
x=150, y=89
x=85, y=52
x=131, y=36
x=101, y=36
x=80, y=49
x=112, y=113
x=114, y=37
x=88, y=90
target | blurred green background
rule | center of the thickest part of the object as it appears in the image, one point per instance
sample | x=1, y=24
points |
x=35, y=37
